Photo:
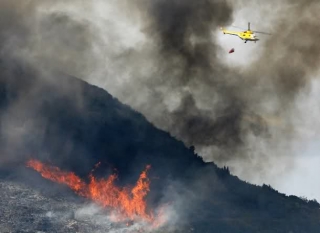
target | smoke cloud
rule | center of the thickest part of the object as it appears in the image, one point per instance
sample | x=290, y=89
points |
x=162, y=58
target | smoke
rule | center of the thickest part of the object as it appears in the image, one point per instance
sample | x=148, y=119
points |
x=289, y=59
x=162, y=58
x=231, y=114
x=276, y=80
x=97, y=216
x=42, y=34
x=97, y=219
x=242, y=117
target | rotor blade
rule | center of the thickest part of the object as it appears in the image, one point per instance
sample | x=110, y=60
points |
x=248, y=26
x=238, y=27
x=266, y=33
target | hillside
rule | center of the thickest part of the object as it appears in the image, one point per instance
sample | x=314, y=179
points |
x=68, y=123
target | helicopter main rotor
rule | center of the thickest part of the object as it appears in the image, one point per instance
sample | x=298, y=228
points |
x=248, y=29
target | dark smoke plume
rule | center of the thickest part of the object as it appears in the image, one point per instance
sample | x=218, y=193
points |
x=221, y=106
x=173, y=73
x=188, y=59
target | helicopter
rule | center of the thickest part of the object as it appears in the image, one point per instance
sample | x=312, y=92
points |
x=247, y=35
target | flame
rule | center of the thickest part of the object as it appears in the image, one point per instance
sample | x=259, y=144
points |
x=127, y=203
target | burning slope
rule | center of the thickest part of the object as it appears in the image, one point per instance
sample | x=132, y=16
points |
x=125, y=203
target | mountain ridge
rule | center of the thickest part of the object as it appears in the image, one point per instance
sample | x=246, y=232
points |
x=71, y=124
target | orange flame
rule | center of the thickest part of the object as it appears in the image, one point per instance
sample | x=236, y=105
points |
x=127, y=203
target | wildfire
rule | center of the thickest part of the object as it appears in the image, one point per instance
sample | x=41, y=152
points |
x=127, y=203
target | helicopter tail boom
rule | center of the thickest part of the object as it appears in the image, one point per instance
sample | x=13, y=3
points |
x=229, y=32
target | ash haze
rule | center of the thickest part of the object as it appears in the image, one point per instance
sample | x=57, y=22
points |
x=254, y=110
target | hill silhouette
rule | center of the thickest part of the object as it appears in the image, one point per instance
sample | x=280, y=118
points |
x=71, y=124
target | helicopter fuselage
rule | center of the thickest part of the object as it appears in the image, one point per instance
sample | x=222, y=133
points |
x=244, y=35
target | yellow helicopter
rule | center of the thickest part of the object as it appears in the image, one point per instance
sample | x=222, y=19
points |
x=247, y=35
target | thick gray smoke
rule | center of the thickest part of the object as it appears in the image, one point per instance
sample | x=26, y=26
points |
x=222, y=107
x=186, y=58
x=227, y=113
x=291, y=56
x=41, y=33
x=161, y=57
